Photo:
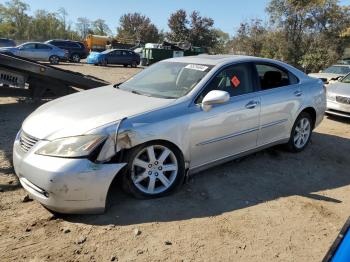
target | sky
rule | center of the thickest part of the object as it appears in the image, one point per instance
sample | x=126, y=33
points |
x=226, y=14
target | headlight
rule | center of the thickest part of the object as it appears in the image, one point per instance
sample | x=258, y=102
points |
x=330, y=96
x=78, y=146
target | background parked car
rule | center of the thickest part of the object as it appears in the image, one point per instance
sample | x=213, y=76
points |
x=332, y=73
x=114, y=56
x=338, y=98
x=76, y=50
x=4, y=42
x=37, y=51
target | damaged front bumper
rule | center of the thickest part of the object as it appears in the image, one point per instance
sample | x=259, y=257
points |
x=64, y=185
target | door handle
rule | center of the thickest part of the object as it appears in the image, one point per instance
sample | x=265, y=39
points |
x=298, y=93
x=252, y=104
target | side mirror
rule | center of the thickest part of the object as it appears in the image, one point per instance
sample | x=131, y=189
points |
x=214, y=97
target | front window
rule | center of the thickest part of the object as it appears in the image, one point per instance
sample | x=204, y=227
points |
x=167, y=79
x=342, y=70
x=27, y=46
x=235, y=80
x=346, y=79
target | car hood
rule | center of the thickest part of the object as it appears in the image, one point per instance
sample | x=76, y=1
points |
x=95, y=54
x=342, y=89
x=81, y=112
x=328, y=76
x=7, y=48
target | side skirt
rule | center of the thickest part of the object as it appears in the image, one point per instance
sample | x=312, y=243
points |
x=220, y=161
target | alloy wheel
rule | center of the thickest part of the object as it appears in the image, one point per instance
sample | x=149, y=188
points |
x=76, y=58
x=302, y=133
x=154, y=169
x=54, y=60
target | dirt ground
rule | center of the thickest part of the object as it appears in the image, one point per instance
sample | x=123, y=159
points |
x=270, y=206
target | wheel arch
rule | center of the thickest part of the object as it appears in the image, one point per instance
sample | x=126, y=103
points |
x=312, y=112
x=162, y=141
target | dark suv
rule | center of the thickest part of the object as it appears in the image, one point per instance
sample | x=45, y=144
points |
x=4, y=42
x=77, y=50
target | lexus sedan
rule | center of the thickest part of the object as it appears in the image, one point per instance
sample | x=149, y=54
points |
x=37, y=51
x=338, y=98
x=332, y=73
x=177, y=117
x=114, y=56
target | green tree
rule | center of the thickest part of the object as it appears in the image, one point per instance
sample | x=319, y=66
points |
x=222, y=42
x=202, y=32
x=100, y=27
x=310, y=29
x=136, y=27
x=83, y=26
x=250, y=38
x=14, y=19
x=178, y=25
x=197, y=30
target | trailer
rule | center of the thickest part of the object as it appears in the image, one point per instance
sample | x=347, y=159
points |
x=24, y=77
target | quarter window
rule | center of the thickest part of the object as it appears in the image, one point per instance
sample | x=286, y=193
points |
x=273, y=77
x=236, y=80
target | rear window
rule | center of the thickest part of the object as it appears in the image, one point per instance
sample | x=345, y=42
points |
x=65, y=44
x=272, y=76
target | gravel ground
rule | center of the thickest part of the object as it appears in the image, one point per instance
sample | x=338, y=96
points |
x=270, y=206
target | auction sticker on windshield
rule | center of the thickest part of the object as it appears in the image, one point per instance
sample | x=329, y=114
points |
x=196, y=67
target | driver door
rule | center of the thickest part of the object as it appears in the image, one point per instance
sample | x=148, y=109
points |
x=231, y=128
x=27, y=51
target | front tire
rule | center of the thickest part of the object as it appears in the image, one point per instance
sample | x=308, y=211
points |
x=155, y=169
x=54, y=60
x=301, y=133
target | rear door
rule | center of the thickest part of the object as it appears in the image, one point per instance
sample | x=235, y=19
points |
x=231, y=128
x=281, y=97
x=43, y=52
x=114, y=57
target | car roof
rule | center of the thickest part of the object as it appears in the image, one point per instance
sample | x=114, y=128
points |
x=63, y=40
x=218, y=59
x=222, y=60
x=346, y=65
x=35, y=43
x=111, y=50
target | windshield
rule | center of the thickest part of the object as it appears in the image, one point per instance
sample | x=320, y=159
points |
x=342, y=70
x=346, y=79
x=167, y=79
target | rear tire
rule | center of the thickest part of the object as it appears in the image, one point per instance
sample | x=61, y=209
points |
x=154, y=169
x=134, y=64
x=75, y=58
x=54, y=60
x=301, y=133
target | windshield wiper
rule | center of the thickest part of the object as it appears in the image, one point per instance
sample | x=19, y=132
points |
x=117, y=85
x=136, y=92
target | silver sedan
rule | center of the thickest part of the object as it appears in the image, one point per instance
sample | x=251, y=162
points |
x=338, y=98
x=38, y=51
x=175, y=118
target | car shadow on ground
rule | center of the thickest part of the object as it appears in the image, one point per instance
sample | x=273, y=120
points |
x=261, y=177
